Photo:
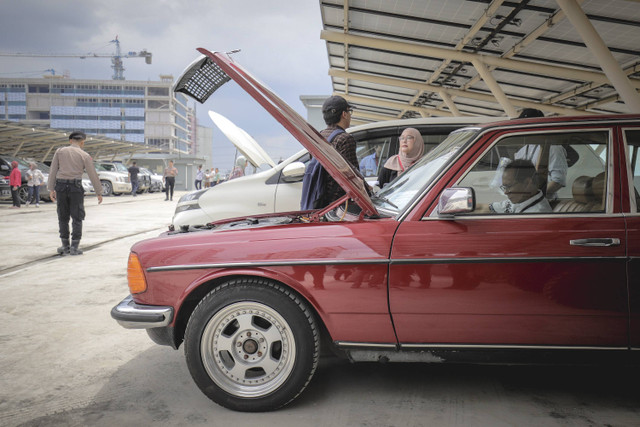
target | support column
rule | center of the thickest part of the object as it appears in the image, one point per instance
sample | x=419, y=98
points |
x=495, y=88
x=599, y=49
x=452, y=106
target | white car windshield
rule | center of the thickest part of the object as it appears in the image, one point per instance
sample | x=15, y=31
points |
x=399, y=193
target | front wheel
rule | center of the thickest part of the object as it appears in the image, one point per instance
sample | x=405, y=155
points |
x=107, y=188
x=252, y=345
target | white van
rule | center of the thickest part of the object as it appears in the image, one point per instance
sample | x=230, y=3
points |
x=279, y=188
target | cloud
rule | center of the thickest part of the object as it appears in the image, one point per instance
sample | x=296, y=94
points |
x=279, y=41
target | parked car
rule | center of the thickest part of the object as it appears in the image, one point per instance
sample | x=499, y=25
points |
x=5, y=188
x=418, y=273
x=155, y=180
x=144, y=181
x=279, y=188
x=23, y=165
x=113, y=182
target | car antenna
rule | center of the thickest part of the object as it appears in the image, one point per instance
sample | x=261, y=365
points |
x=233, y=51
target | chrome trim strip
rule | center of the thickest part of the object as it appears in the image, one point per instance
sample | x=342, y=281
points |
x=374, y=262
x=529, y=216
x=364, y=345
x=498, y=259
x=508, y=346
x=265, y=264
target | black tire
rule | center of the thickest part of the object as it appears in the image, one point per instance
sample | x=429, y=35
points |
x=107, y=188
x=252, y=345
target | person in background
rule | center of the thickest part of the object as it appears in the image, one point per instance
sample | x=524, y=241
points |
x=15, y=181
x=133, y=177
x=35, y=179
x=207, y=178
x=238, y=171
x=410, y=150
x=65, y=188
x=369, y=164
x=170, y=173
x=199, y=178
x=216, y=178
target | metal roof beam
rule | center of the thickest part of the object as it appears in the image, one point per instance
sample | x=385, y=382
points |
x=450, y=91
x=513, y=64
x=397, y=105
x=599, y=49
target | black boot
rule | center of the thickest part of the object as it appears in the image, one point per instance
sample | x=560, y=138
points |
x=64, y=249
x=74, y=248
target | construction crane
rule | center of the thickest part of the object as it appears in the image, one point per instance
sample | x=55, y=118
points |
x=116, y=59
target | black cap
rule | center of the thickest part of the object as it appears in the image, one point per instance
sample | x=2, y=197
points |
x=530, y=112
x=77, y=135
x=335, y=104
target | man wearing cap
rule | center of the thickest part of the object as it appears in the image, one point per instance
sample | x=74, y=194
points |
x=336, y=112
x=65, y=188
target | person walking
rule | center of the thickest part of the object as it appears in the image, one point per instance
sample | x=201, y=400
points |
x=170, y=173
x=15, y=181
x=133, y=177
x=35, y=179
x=65, y=188
x=216, y=178
x=199, y=178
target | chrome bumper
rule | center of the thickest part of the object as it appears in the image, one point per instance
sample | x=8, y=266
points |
x=135, y=316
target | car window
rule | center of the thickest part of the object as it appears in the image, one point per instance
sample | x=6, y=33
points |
x=542, y=173
x=633, y=152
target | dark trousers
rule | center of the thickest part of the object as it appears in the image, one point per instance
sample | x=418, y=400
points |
x=134, y=186
x=169, y=184
x=34, y=192
x=15, y=196
x=70, y=200
x=198, y=184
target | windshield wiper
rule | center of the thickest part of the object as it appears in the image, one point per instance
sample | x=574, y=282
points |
x=384, y=199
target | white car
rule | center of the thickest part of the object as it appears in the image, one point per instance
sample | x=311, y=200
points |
x=279, y=188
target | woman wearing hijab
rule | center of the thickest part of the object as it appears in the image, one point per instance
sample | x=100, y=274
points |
x=411, y=149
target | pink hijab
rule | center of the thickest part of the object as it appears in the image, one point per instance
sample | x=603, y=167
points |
x=401, y=161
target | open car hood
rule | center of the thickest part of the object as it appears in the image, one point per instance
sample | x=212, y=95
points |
x=212, y=70
x=244, y=142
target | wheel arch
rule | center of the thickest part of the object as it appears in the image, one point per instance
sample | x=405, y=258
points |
x=204, y=287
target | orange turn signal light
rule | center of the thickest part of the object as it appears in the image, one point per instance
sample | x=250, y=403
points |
x=135, y=275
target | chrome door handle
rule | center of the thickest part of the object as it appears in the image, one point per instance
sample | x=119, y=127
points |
x=595, y=242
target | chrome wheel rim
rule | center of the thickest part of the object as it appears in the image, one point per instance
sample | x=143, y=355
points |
x=248, y=349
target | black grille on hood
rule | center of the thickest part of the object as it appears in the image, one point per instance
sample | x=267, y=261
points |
x=201, y=79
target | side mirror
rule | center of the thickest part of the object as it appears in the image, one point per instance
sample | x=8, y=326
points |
x=293, y=171
x=4, y=167
x=456, y=200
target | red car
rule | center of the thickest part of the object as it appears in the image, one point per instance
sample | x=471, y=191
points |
x=479, y=252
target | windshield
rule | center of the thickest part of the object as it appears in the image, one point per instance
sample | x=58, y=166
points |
x=398, y=194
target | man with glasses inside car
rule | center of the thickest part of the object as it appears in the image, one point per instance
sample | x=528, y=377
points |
x=520, y=185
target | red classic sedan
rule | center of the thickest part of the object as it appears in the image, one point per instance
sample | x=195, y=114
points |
x=509, y=242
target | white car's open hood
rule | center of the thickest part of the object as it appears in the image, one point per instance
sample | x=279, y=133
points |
x=244, y=142
x=212, y=70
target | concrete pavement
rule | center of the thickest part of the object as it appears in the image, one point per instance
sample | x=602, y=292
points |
x=65, y=362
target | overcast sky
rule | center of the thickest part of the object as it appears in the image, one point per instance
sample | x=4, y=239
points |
x=279, y=39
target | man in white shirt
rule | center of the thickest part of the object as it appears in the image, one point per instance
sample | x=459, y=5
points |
x=519, y=184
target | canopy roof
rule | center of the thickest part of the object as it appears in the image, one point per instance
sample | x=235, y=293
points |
x=406, y=58
x=40, y=143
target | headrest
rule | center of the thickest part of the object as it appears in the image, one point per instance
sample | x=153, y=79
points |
x=598, y=187
x=583, y=189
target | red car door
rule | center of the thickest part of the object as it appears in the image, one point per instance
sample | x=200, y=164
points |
x=545, y=279
x=631, y=176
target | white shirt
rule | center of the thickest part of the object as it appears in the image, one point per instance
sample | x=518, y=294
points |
x=557, y=160
x=536, y=204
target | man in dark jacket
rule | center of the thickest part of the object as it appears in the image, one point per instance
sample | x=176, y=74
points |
x=336, y=112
